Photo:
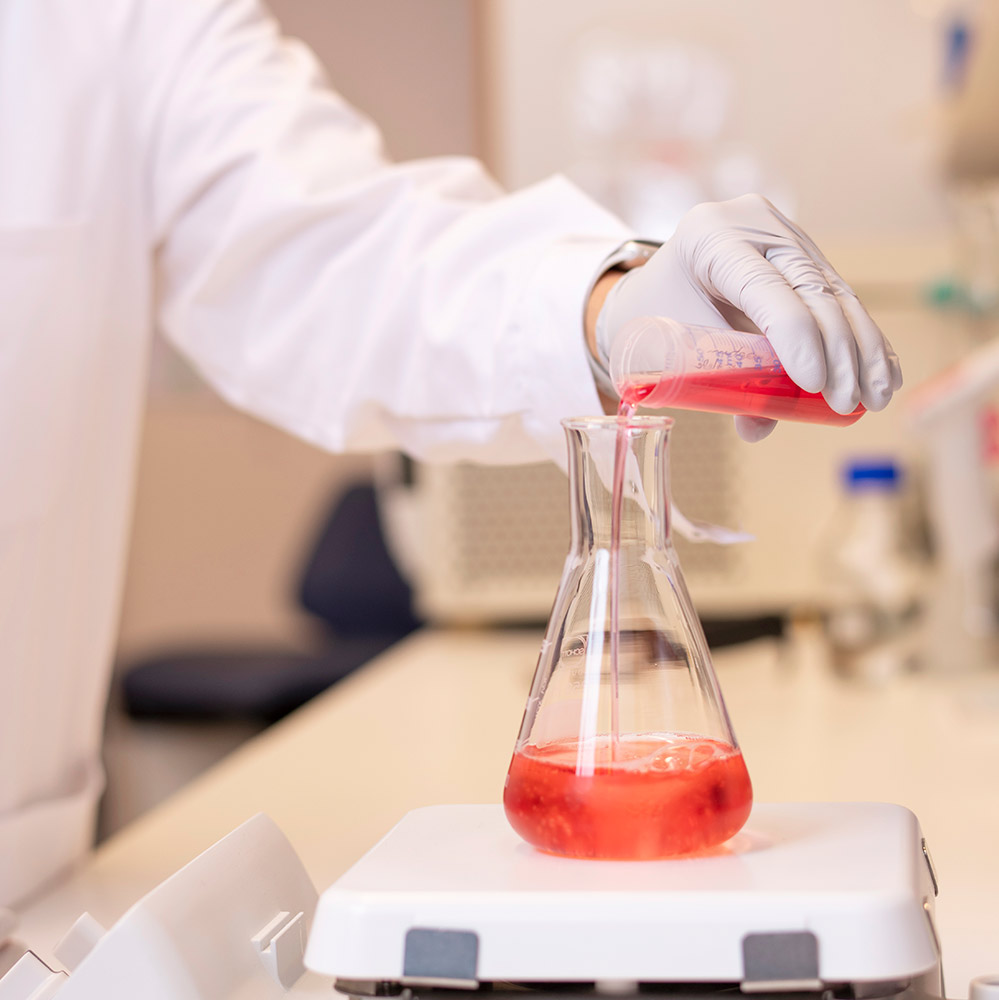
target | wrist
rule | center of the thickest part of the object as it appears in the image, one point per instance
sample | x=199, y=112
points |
x=631, y=254
x=602, y=287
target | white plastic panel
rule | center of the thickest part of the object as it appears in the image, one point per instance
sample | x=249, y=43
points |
x=851, y=873
x=230, y=925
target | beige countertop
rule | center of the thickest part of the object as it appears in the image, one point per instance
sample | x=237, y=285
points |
x=434, y=721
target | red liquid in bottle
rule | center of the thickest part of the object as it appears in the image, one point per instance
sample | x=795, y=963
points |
x=757, y=392
x=649, y=796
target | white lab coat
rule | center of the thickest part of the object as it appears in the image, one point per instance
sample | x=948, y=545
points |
x=172, y=162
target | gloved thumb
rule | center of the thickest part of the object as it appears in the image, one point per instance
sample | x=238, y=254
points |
x=753, y=428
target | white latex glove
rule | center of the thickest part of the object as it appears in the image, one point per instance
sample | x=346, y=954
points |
x=741, y=264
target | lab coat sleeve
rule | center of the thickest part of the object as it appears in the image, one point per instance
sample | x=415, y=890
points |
x=357, y=303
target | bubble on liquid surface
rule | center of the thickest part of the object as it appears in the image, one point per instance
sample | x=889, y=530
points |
x=655, y=752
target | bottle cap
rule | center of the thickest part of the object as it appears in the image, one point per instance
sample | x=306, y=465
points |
x=872, y=473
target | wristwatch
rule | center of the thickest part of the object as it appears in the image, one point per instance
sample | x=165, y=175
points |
x=630, y=254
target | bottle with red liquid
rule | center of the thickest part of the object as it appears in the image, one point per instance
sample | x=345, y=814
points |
x=625, y=751
x=659, y=363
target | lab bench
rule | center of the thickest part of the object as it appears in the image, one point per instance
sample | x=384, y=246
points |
x=433, y=720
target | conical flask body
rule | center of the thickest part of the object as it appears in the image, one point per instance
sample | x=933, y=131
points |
x=625, y=750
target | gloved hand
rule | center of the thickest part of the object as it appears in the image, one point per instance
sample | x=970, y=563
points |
x=741, y=264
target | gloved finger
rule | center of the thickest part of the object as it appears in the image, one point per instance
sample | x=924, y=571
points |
x=753, y=428
x=842, y=389
x=873, y=347
x=880, y=373
x=896, y=368
x=751, y=282
x=803, y=240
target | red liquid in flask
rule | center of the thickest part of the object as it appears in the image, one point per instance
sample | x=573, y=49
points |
x=756, y=392
x=636, y=798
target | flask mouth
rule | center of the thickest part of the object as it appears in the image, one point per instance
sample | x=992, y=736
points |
x=641, y=423
x=613, y=457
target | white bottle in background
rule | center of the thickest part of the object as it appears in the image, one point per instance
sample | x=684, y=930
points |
x=875, y=578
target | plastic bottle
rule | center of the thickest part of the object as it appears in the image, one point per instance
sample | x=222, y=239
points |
x=875, y=577
x=659, y=363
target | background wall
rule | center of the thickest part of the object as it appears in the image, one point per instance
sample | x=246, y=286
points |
x=837, y=100
x=409, y=65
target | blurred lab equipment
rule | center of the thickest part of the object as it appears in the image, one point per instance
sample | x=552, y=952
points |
x=649, y=124
x=970, y=150
x=946, y=416
x=625, y=750
x=659, y=363
x=971, y=78
x=949, y=412
x=876, y=581
x=975, y=208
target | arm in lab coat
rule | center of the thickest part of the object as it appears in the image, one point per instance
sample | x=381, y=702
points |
x=357, y=303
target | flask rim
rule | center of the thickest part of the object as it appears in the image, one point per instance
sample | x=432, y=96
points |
x=640, y=423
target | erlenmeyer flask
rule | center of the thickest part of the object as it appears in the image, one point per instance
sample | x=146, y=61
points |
x=625, y=750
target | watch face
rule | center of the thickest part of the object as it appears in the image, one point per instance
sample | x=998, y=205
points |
x=632, y=253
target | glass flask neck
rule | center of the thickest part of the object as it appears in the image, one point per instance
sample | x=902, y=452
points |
x=637, y=453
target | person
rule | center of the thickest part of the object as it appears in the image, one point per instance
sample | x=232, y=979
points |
x=177, y=164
